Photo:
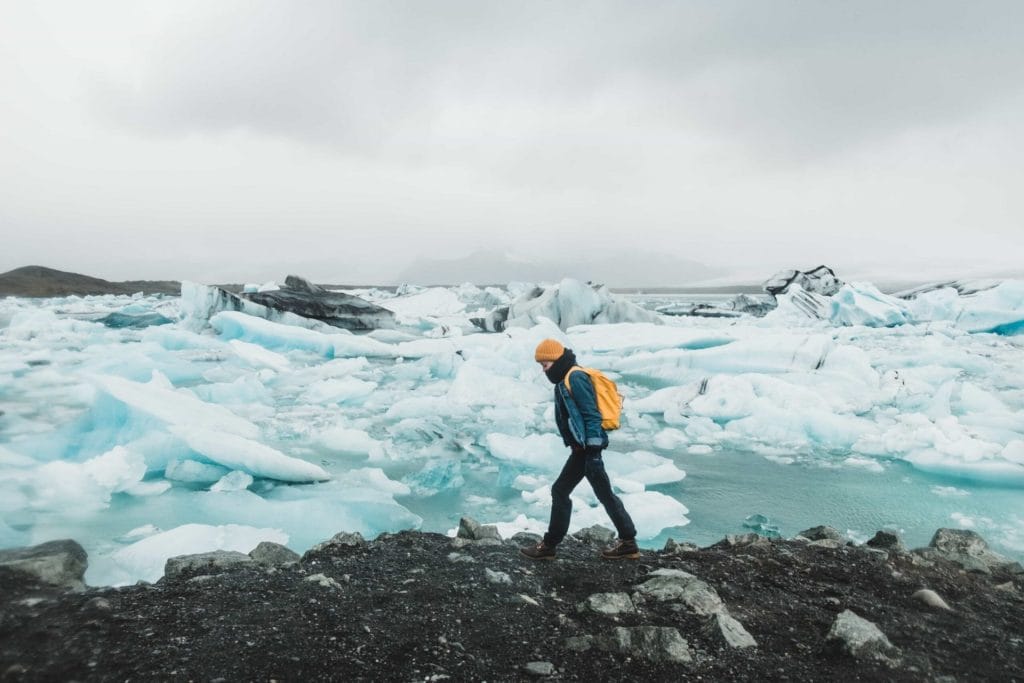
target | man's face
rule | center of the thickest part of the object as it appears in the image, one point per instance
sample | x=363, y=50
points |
x=545, y=365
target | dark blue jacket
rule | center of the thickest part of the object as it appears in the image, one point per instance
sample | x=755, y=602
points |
x=576, y=413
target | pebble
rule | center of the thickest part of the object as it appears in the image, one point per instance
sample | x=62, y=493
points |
x=540, y=668
x=931, y=598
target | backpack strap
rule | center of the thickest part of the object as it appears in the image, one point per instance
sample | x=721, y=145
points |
x=566, y=380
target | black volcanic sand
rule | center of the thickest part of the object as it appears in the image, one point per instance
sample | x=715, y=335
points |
x=404, y=611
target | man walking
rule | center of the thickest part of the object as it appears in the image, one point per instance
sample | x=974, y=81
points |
x=579, y=423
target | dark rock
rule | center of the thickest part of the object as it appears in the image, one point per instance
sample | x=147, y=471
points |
x=678, y=586
x=472, y=530
x=727, y=630
x=60, y=563
x=343, y=539
x=399, y=610
x=652, y=643
x=525, y=538
x=675, y=547
x=888, y=541
x=967, y=549
x=323, y=580
x=859, y=638
x=607, y=603
x=99, y=605
x=1011, y=568
x=595, y=535
x=217, y=561
x=273, y=554
x=497, y=578
x=743, y=540
x=540, y=669
x=820, y=533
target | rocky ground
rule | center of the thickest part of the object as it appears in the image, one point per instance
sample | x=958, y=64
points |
x=423, y=607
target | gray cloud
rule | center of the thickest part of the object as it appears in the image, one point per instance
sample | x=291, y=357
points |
x=789, y=79
x=241, y=140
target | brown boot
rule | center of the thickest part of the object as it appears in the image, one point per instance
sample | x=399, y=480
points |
x=625, y=549
x=541, y=551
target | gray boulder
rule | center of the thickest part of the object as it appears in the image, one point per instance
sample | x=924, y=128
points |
x=272, y=554
x=888, y=541
x=676, y=548
x=595, y=535
x=213, y=562
x=739, y=540
x=607, y=603
x=497, y=578
x=820, y=533
x=344, y=539
x=472, y=530
x=653, y=643
x=859, y=638
x=61, y=563
x=675, y=585
x=966, y=548
x=727, y=630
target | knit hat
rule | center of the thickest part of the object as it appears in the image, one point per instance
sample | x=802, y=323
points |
x=549, y=349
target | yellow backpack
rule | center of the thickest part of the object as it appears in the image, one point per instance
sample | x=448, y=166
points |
x=609, y=400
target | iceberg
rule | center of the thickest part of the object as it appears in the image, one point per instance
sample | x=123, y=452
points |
x=248, y=455
x=568, y=303
x=338, y=309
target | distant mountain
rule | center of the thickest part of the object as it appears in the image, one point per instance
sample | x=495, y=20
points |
x=38, y=281
x=628, y=269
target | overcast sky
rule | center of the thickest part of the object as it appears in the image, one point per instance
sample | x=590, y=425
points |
x=239, y=141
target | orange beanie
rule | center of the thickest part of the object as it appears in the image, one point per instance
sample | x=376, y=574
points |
x=549, y=349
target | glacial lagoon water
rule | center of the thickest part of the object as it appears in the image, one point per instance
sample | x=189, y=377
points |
x=196, y=435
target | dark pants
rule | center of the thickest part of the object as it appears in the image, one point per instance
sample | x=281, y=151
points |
x=579, y=465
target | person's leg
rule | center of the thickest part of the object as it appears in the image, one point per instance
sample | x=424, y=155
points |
x=561, y=505
x=598, y=479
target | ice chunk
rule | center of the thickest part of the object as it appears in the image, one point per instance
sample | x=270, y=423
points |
x=345, y=440
x=544, y=452
x=271, y=335
x=88, y=486
x=860, y=303
x=643, y=467
x=436, y=476
x=477, y=384
x=145, y=559
x=652, y=512
x=569, y=303
x=257, y=356
x=241, y=453
x=233, y=481
x=347, y=390
x=174, y=407
x=276, y=336
x=999, y=310
x=194, y=472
